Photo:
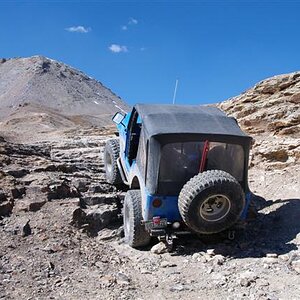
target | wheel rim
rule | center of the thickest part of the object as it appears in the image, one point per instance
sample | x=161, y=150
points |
x=215, y=208
x=108, y=162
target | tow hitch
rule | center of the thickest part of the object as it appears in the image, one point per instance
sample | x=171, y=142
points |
x=168, y=239
x=158, y=228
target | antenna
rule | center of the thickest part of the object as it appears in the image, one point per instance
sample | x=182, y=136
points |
x=175, y=91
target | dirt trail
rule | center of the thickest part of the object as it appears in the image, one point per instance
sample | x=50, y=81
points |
x=59, y=260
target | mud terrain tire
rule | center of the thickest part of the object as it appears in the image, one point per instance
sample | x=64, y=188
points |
x=211, y=202
x=135, y=233
x=111, y=155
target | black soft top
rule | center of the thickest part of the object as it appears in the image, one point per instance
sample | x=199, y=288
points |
x=158, y=119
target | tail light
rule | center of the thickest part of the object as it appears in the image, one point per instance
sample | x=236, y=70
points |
x=156, y=202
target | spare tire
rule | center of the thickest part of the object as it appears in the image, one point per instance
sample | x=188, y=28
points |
x=211, y=202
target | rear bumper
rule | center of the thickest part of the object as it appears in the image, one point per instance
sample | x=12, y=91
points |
x=168, y=209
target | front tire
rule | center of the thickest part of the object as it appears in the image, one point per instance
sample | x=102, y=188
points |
x=211, y=202
x=135, y=233
x=111, y=155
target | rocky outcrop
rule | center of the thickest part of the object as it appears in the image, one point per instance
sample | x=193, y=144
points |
x=270, y=112
x=65, y=169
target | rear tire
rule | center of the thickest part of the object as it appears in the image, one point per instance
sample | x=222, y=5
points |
x=211, y=202
x=111, y=155
x=134, y=231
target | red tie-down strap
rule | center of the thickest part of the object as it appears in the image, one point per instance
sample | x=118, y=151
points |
x=204, y=156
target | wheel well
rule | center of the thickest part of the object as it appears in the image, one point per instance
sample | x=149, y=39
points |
x=135, y=184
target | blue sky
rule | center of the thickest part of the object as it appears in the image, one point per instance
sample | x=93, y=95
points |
x=217, y=49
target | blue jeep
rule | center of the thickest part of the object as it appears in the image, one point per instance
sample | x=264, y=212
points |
x=186, y=167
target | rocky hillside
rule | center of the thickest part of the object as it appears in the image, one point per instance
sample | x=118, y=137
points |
x=40, y=94
x=270, y=112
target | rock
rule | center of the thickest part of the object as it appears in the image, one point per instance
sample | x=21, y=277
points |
x=297, y=239
x=120, y=232
x=219, y=259
x=270, y=110
x=2, y=196
x=78, y=217
x=102, y=216
x=220, y=278
x=18, y=173
x=81, y=203
x=145, y=271
x=4, y=160
x=275, y=154
x=64, y=168
x=177, y=288
x=204, y=258
x=292, y=130
x=36, y=204
x=101, y=188
x=245, y=282
x=61, y=191
x=93, y=199
x=58, y=282
x=167, y=264
x=122, y=279
x=81, y=185
x=296, y=265
x=6, y=207
x=272, y=255
x=18, y=192
x=159, y=248
x=247, y=278
x=53, y=248
x=99, y=264
x=107, y=280
x=210, y=252
x=95, y=219
x=284, y=257
x=30, y=204
x=34, y=190
x=107, y=234
x=26, y=229
x=270, y=260
x=196, y=256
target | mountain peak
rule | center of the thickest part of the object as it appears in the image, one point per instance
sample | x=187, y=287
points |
x=41, y=81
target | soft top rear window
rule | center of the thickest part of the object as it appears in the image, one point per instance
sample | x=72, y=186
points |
x=181, y=161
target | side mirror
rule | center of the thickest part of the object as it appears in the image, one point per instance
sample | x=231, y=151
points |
x=118, y=118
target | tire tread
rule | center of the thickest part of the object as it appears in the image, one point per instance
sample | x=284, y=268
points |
x=138, y=236
x=196, y=186
x=113, y=148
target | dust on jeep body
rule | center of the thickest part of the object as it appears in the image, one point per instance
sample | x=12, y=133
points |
x=187, y=169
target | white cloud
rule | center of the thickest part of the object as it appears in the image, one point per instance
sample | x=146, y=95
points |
x=115, y=48
x=80, y=29
x=133, y=21
x=143, y=49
